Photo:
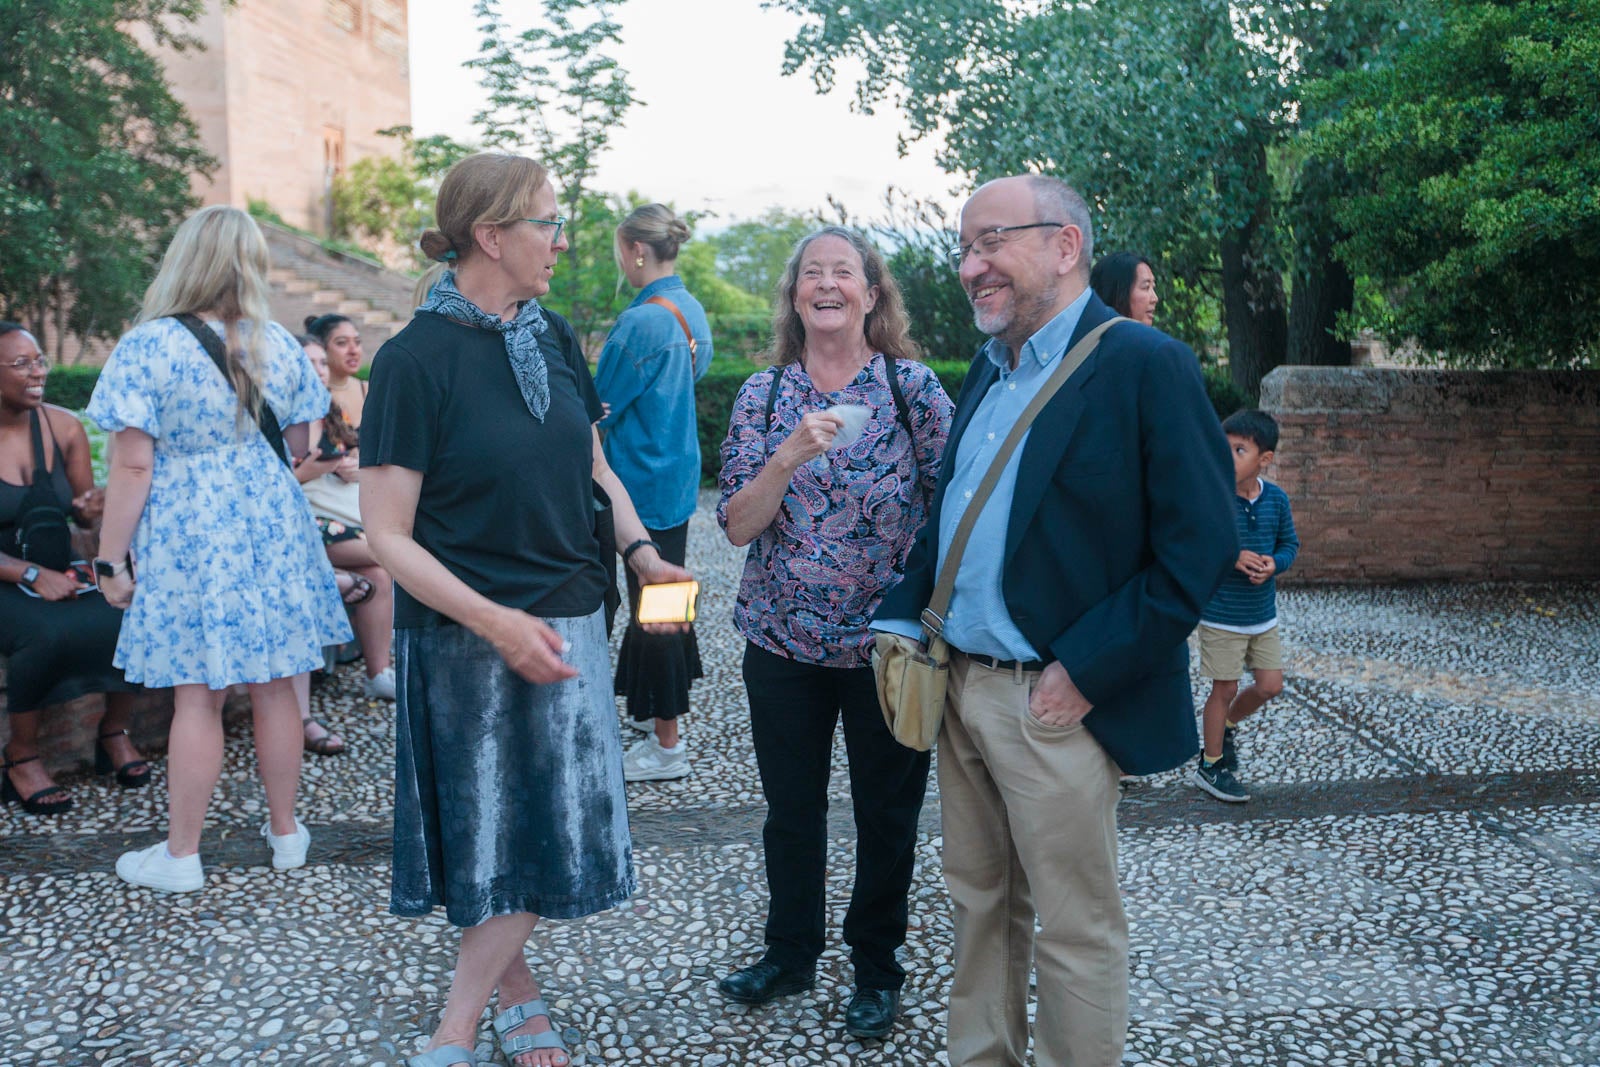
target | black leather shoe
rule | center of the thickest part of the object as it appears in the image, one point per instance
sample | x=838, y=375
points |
x=764, y=981
x=872, y=1012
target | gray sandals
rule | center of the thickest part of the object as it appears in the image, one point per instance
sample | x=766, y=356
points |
x=514, y=1017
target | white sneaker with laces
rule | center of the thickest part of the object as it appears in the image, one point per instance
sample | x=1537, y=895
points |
x=151, y=868
x=647, y=761
x=381, y=685
x=289, y=850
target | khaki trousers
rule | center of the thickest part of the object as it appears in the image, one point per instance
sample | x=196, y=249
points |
x=1030, y=833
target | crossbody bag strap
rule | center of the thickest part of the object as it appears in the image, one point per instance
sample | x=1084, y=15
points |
x=39, y=471
x=661, y=301
x=944, y=588
x=267, y=422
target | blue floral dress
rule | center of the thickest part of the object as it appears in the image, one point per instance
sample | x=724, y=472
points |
x=233, y=583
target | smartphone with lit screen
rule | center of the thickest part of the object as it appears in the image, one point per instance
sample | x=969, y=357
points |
x=669, y=602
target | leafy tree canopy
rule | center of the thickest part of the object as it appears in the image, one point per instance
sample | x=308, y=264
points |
x=388, y=202
x=1168, y=115
x=95, y=158
x=1478, y=158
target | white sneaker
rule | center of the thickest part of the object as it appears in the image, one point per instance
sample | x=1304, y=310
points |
x=381, y=685
x=644, y=726
x=151, y=868
x=288, y=851
x=647, y=761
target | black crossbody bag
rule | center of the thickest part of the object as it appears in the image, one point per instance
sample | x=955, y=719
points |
x=267, y=422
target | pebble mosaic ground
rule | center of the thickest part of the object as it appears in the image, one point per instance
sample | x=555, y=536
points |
x=1414, y=882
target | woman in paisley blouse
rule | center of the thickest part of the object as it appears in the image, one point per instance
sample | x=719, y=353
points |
x=830, y=507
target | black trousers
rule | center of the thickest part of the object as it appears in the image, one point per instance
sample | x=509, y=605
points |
x=654, y=670
x=794, y=709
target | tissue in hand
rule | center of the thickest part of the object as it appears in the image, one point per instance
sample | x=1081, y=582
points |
x=855, y=418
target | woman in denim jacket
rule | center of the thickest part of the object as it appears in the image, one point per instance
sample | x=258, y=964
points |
x=660, y=346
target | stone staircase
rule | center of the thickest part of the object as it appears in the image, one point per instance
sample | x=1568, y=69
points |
x=307, y=279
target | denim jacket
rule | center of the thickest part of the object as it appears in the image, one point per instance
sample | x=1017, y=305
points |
x=647, y=376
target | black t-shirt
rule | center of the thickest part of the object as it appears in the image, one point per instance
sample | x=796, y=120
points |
x=507, y=503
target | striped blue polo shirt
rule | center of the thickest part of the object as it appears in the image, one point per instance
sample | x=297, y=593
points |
x=1265, y=525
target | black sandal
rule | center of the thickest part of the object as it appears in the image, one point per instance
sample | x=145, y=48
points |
x=135, y=774
x=329, y=744
x=30, y=804
x=360, y=591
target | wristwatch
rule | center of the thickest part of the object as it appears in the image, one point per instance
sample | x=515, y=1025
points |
x=30, y=574
x=104, y=568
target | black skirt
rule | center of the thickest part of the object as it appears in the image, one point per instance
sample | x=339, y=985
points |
x=58, y=650
x=654, y=670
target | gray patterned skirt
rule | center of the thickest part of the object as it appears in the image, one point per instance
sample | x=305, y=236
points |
x=508, y=795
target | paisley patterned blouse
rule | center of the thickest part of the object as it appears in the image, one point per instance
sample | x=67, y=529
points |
x=814, y=577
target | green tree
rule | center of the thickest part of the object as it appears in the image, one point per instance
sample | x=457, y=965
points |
x=1171, y=116
x=752, y=253
x=386, y=203
x=96, y=157
x=555, y=91
x=1476, y=159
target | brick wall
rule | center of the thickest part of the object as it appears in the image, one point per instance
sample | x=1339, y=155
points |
x=1402, y=475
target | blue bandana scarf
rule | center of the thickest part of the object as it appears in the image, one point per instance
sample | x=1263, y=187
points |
x=521, y=334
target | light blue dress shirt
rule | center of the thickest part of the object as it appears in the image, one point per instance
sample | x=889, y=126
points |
x=978, y=621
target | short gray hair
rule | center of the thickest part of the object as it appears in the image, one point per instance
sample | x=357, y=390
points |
x=1055, y=199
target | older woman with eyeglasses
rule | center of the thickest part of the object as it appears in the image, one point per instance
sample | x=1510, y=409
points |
x=479, y=466
x=57, y=632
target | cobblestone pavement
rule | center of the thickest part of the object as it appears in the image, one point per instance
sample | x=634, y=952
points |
x=1413, y=883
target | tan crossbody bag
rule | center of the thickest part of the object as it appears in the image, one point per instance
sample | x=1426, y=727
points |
x=912, y=675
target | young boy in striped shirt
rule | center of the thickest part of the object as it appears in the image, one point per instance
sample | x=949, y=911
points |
x=1239, y=627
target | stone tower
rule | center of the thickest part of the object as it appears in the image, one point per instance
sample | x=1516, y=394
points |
x=287, y=93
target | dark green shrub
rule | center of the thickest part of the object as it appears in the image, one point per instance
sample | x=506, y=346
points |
x=70, y=386
x=741, y=337
x=713, y=403
x=1225, y=397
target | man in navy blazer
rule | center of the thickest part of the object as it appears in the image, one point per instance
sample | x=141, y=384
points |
x=1086, y=571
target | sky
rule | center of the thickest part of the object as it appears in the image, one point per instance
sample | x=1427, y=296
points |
x=720, y=128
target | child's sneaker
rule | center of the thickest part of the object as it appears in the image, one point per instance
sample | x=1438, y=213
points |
x=1218, y=780
x=1230, y=748
x=647, y=761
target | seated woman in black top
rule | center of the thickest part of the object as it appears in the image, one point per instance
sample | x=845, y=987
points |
x=57, y=631
x=479, y=465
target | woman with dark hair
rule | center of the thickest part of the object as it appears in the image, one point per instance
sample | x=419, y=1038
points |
x=480, y=462
x=206, y=541
x=57, y=633
x=659, y=347
x=828, y=469
x=341, y=339
x=330, y=480
x=1127, y=284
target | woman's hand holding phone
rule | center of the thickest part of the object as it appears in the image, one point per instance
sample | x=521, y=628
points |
x=653, y=570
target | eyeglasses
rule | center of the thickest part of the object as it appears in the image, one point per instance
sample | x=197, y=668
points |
x=24, y=364
x=989, y=242
x=558, y=222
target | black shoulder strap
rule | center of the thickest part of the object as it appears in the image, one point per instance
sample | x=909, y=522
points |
x=772, y=394
x=268, y=422
x=901, y=408
x=39, y=471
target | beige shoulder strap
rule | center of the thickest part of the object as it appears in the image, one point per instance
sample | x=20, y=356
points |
x=662, y=301
x=933, y=615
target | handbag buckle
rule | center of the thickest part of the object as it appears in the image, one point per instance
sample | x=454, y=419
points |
x=932, y=622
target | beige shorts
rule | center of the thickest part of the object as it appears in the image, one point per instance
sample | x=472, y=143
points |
x=1224, y=654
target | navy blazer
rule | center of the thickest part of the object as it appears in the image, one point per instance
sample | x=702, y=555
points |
x=1121, y=528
